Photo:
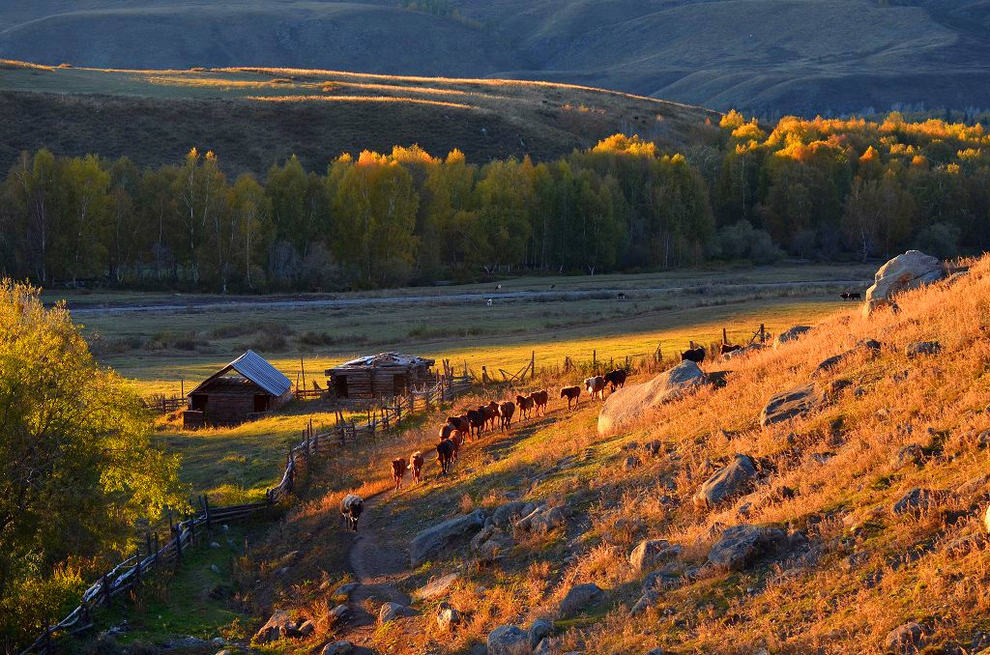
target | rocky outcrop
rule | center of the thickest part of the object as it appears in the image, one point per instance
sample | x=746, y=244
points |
x=649, y=553
x=491, y=542
x=905, y=639
x=790, y=334
x=727, y=482
x=629, y=404
x=539, y=630
x=741, y=545
x=392, y=611
x=436, y=587
x=579, y=597
x=280, y=625
x=919, y=348
x=916, y=500
x=542, y=520
x=338, y=648
x=507, y=640
x=434, y=540
x=447, y=617
x=908, y=271
x=790, y=404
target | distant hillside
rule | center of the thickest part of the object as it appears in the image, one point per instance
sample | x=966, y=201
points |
x=255, y=117
x=763, y=56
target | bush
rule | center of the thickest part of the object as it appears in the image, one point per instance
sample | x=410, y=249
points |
x=742, y=241
x=939, y=239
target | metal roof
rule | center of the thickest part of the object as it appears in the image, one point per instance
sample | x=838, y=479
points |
x=256, y=368
x=388, y=359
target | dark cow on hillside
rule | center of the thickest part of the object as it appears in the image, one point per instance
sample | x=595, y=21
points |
x=350, y=510
x=525, y=404
x=616, y=379
x=461, y=425
x=505, y=412
x=445, y=455
x=596, y=386
x=850, y=295
x=490, y=412
x=476, y=418
x=692, y=354
x=727, y=348
x=398, y=471
x=540, y=399
x=573, y=394
x=416, y=464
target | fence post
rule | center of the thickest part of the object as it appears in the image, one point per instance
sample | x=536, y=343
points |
x=206, y=511
x=147, y=538
x=178, y=546
x=137, y=569
x=157, y=549
x=106, y=589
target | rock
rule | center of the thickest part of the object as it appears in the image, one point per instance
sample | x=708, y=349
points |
x=918, y=348
x=911, y=454
x=728, y=481
x=983, y=439
x=651, y=552
x=491, y=542
x=827, y=365
x=741, y=545
x=436, y=587
x=434, y=540
x=645, y=602
x=908, y=271
x=915, y=500
x=656, y=651
x=542, y=520
x=307, y=628
x=280, y=624
x=507, y=640
x=629, y=404
x=186, y=642
x=666, y=578
x=539, y=630
x=870, y=344
x=447, y=616
x=340, y=613
x=986, y=519
x=505, y=514
x=338, y=648
x=907, y=639
x=345, y=590
x=214, y=545
x=392, y=611
x=630, y=462
x=790, y=404
x=544, y=647
x=580, y=596
x=790, y=334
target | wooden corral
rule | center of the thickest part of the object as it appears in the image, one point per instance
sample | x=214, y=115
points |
x=384, y=374
x=243, y=389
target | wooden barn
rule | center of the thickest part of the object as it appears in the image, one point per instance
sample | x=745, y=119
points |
x=384, y=374
x=244, y=389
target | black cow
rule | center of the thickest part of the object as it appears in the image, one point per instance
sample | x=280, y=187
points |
x=616, y=379
x=350, y=510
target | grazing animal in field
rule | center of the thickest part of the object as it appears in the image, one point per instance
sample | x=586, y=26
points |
x=573, y=394
x=596, y=386
x=692, y=354
x=445, y=455
x=726, y=348
x=491, y=414
x=540, y=399
x=616, y=379
x=621, y=296
x=476, y=417
x=525, y=404
x=505, y=412
x=350, y=510
x=850, y=295
x=398, y=471
x=416, y=464
x=460, y=423
x=490, y=302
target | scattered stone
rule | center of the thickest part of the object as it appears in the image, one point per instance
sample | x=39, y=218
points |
x=651, y=552
x=214, y=545
x=539, y=631
x=905, y=639
x=655, y=448
x=741, y=545
x=823, y=456
x=630, y=463
x=983, y=439
x=908, y=271
x=434, y=540
x=871, y=344
x=507, y=513
x=918, y=348
x=447, y=616
x=910, y=454
x=631, y=403
x=338, y=648
x=645, y=602
x=345, y=590
x=392, y=611
x=491, y=542
x=790, y=334
x=280, y=624
x=728, y=481
x=827, y=365
x=340, y=613
x=307, y=628
x=915, y=501
x=542, y=520
x=436, y=587
x=507, y=640
x=580, y=596
x=790, y=404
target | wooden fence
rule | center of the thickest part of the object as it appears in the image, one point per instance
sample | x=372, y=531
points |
x=159, y=551
x=161, y=404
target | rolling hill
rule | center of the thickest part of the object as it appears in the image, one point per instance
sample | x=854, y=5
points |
x=762, y=56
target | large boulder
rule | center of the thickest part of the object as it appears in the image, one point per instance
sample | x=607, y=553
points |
x=741, y=545
x=540, y=630
x=908, y=271
x=916, y=501
x=580, y=596
x=728, y=481
x=630, y=403
x=651, y=552
x=905, y=639
x=280, y=625
x=542, y=520
x=434, y=540
x=790, y=334
x=507, y=640
x=436, y=587
x=789, y=404
x=392, y=611
x=338, y=648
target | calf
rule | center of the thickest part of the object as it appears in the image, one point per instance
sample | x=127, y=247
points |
x=416, y=464
x=398, y=471
x=445, y=455
x=525, y=404
x=616, y=379
x=505, y=412
x=350, y=510
x=540, y=400
x=477, y=420
x=692, y=354
x=596, y=386
x=573, y=394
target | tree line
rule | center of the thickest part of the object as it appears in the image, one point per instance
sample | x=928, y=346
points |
x=821, y=188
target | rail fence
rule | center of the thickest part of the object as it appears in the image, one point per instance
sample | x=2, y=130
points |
x=159, y=551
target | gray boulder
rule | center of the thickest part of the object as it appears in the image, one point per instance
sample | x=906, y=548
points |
x=916, y=500
x=539, y=631
x=790, y=404
x=790, y=334
x=434, y=540
x=910, y=454
x=279, y=625
x=447, y=616
x=631, y=403
x=580, y=596
x=649, y=553
x=338, y=648
x=908, y=271
x=491, y=543
x=905, y=639
x=728, y=481
x=345, y=590
x=542, y=520
x=919, y=348
x=645, y=602
x=436, y=587
x=507, y=640
x=507, y=513
x=741, y=545
x=392, y=611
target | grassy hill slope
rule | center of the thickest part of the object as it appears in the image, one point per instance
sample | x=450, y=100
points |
x=253, y=117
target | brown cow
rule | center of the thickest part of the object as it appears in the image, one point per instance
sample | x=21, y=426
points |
x=573, y=394
x=726, y=348
x=595, y=386
x=490, y=412
x=505, y=412
x=416, y=464
x=525, y=405
x=540, y=399
x=398, y=471
x=616, y=379
x=445, y=455
x=476, y=417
